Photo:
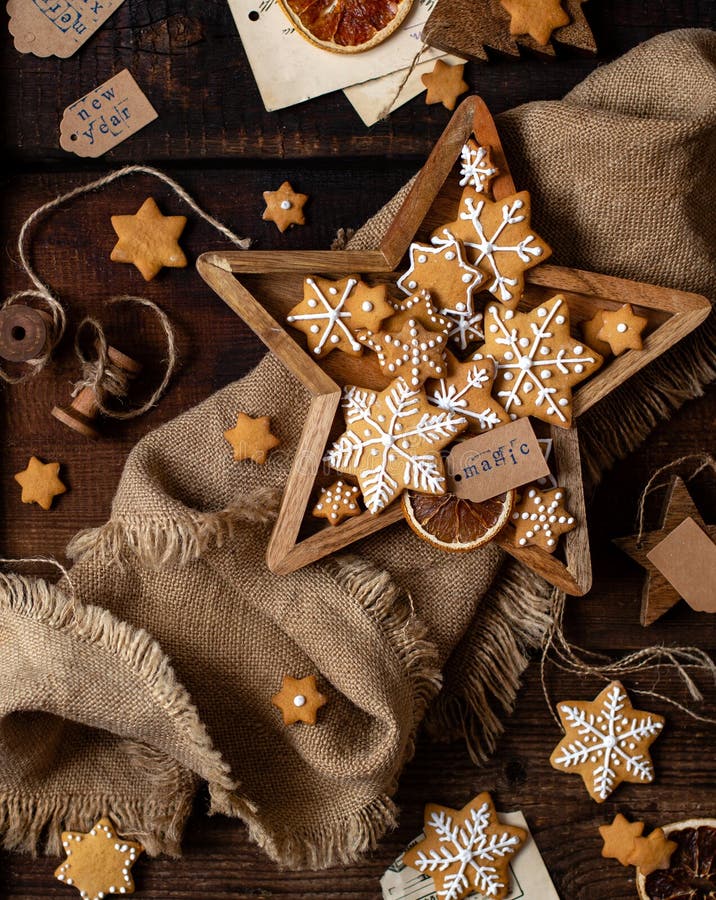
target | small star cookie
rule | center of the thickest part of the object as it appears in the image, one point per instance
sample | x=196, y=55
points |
x=284, y=207
x=590, y=330
x=333, y=312
x=537, y=18
x=540, y=518
x=40, y=482
x=413, y=352
x=421, y=308
x=621, y=329
x=476, y=168
x=466, y=851
x=99, y=862
x=466, y=391
x=251, y=438
x=337, y=502
x=299, y=700
x=149, y=240
x=653, y=852
x=606, y=741
x=445, y=84
x=619, y=838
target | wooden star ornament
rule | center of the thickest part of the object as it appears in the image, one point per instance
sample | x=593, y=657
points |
x=40, y=482
x=149, y=240
x=98, y=862
x=299, y=700
x=658, y=595
x=445, y=84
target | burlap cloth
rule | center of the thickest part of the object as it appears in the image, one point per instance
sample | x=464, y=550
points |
x=151, y=669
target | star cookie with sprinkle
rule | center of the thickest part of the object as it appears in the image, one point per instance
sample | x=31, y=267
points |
x=540, y=517
x=392, y=442
x=338, y=502
x=621, y=329
x=606, y=741
x=413, y=352
x=299, y=700
x=466, y=391
x=149, y=240
x=445, y=84
x=538, y=361
x=498, y=239
x=40, y=482
x=99, y=862
x=476, y=167
x=284, y=207
x=466, y=851
x=537, y=18
x=333, y=312
x=251, y=438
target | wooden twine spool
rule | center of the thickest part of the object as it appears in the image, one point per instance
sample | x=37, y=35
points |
x=24, y=333
x=82, y=412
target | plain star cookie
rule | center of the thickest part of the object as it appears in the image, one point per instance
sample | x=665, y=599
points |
x=538, y=361
x=284, y=207
x=40, y=482
x=499, y=240
x=98, y=862
x=413, y=352
x=299, y=700
x=149, y=240
x=476, y=168
x=618, y=838
x=445, y=84
x=537, y=18
x=653, y=852
x=251, y=438
x=337, y=502
x=332, y=313
x=590, y=330
x=466, y=390
x=393, y=442
x=540, y=517
x=606, y=741
x=466, y=851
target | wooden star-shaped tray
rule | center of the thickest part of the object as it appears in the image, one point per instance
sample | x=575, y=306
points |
x=261, y=286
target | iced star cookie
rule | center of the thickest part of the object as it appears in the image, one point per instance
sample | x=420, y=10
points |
x=419, y=307
x=393, y=442
x=413, y=352
x=540, y=517
x=606, y=741
x=537, y=18
x=40, y=482
x=299, y=700
x=333, y=312
x=476, y=167
x=251, y=438
x=149, y=240
x=466, y=851
x=284, y=207
x=498, y=239
x=466, y=390
x=621, y=329
x=445, y=84
x=538, y=361
x=337, y=502
x=99, y=862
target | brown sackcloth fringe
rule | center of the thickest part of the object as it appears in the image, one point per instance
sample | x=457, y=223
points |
x=97, y=716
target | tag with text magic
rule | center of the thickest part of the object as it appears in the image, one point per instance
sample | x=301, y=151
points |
x=56, y=27
x=105, y=117
x=504, y=458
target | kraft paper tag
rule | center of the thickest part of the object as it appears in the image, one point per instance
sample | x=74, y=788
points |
x=501, y=459
x=687, y=559
x=56, y=27
x=105, y=117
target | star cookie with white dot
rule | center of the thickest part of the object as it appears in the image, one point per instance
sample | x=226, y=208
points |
x=540, y=517
x=621, y=329
x=99, y=862
x=284, y=207
x=338, y=502
x=413, y=352
x=299, y=700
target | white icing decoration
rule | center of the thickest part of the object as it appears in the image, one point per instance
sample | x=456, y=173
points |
x=472, y=169
x=366, y=306
x=456, y=399
x=621, y=327
x=411, y=353
x=334, y=317
x=299, y=700
x=286, y=204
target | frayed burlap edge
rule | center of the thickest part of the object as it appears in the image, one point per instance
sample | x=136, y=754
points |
x=25, y=822
x=165, y=542
x=515, y=617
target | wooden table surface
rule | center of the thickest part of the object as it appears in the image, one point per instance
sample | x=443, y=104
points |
x=215, y=138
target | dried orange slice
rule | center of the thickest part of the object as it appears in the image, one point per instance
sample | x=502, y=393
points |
x=451, y=523
x=346, y=26
x=692, y=872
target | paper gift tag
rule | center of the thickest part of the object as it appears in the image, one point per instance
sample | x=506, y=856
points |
x=494, y=462
x=56, y=27
x=105, y=117
x=687, y=559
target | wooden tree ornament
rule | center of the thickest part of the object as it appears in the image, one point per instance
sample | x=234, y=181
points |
x=658, y=595
x=262, y=286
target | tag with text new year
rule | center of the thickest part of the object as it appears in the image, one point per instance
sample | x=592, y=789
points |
x=105, y=117
x=487, y=465
x=56, y=27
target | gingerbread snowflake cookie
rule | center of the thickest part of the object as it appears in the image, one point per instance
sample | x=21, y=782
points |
x=466, y=851
x=499, y=240
x=333, y=312
x=284, y=207
x=606, y=741
x=540, y=517
x=465, y=390
x=412, y=352
x=538, y=362
x=99, y=862
x=476, y=167
x=337, y=502
x=393, y=442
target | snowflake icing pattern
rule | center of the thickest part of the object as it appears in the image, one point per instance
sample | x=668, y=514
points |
x=465, y=328
x=475, y=166
x=459, y=398
x=331, y=317
x=393, y=442
x=607, y=745
x=467, y=853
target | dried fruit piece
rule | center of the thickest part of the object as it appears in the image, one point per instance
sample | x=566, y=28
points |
x=692, y=872
x=454, y=524
x=346, y=26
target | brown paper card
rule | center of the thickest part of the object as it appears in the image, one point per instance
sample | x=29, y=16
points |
x=491, y=463
x=687, y=559
x=56, y=27
x=105, y=117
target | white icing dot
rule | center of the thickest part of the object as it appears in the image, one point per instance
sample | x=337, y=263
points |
x=524, y=342
x=332, y=290
x=367, y=306
x=563, y=401
x=312, y=303
x=314, y=329
x=544, y=350
x=493, y=329
x=335, y=338
x=578, y=350
x=450, y=255
x=545, y=373
x=541, y=312
x=579, y=368
x=509, y=314
x=299, y=700
x=285, y=204
x=508, y=376
x=621, y=327
x=527, y=387
x=412, y=285
x=422, y=258
x=559, y=320
x=466, y=278
x=509, y=355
